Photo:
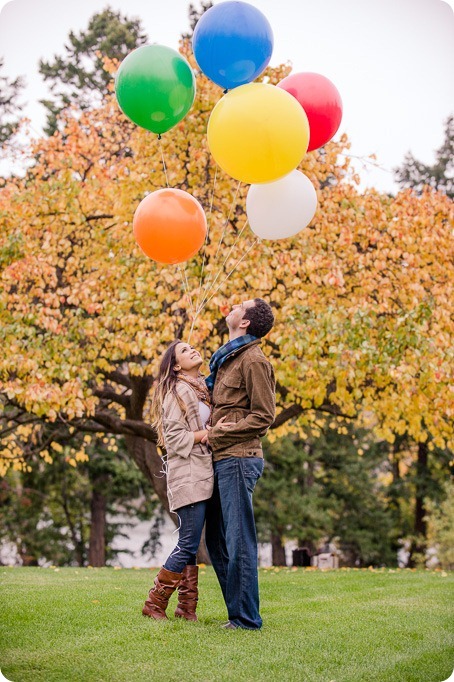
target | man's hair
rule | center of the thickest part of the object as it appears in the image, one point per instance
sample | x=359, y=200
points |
x=261, y=318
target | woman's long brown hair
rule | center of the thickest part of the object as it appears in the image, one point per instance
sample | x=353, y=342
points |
x=166, y=381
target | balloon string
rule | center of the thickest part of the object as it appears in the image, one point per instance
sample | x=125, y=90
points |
x=210, y=218
x=208, y=290
x=226, y=278
x=185, y=283
x=163, y=162
x=232, y=204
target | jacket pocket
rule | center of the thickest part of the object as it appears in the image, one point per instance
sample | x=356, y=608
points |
x=201, y=467
x=232, y=379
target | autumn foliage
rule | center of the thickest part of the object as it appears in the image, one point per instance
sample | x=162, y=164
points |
x=363, y=297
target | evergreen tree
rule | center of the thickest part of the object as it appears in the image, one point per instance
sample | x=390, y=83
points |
x=441, y=527
x=323, y=488
x=440, y=176
x=289, y=501
x=353, y=468
x=10, y=91
x=64, y=513
x=194, y=15
x=78, y=77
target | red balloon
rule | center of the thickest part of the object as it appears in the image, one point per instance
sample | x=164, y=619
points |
x=321, y=101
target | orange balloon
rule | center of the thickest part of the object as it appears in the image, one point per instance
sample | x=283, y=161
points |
x=170, y=225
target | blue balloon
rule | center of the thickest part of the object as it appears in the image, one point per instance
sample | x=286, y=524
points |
x=232, y=43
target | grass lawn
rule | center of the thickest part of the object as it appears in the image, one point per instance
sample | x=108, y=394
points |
x=86, y=625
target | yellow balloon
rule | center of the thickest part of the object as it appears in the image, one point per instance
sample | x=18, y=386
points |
x=258, y=133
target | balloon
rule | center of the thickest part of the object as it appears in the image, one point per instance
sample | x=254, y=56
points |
x=321, y=101
x=258, y=133
x=155, y=87
x=280, y=209
x=232, y=43
x=169, y=225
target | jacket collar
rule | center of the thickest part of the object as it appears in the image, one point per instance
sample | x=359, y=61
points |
x=236, y=352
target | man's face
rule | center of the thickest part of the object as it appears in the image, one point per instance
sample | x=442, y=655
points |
x=235, y=317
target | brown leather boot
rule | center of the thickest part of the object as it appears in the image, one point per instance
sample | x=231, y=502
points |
x=165, y=584
x=188, y=593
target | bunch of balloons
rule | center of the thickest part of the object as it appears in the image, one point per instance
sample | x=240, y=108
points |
x=257, y=133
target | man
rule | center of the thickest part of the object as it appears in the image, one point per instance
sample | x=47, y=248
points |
x=243, y=387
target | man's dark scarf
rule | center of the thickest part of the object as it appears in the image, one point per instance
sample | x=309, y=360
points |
x=223, y=353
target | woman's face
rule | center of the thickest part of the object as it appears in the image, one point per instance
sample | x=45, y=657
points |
x=187, y=357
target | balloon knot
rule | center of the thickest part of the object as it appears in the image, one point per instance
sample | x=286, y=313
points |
x=224, y=92
x=159, y=136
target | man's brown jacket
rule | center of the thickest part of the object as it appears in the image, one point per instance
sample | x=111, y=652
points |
x=244, y=393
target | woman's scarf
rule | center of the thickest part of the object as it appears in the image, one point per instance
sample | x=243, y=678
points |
x=198, y=385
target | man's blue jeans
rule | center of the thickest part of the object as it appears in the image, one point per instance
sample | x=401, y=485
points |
x=231, y=538
x=192, y=518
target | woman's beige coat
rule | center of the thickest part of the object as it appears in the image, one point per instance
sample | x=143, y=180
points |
x=189, y=466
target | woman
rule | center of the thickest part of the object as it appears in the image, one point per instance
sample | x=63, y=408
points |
x=180, y=410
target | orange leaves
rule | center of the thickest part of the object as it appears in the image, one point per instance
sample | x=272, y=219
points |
x=363, y=300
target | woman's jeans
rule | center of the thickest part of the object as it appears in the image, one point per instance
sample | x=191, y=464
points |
x=231, y=538
x=192, y=518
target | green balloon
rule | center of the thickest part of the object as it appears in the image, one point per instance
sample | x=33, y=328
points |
x=155, y=87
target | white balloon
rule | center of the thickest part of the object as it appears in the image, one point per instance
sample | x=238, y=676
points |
x=281, y=209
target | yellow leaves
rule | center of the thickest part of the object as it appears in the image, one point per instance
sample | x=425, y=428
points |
x=56, y=446
x=46, y=456
x=362, y=298
x=319, y=395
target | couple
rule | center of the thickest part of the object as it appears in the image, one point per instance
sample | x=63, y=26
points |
x=211, y=430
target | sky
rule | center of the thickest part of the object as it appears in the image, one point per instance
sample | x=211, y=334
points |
x=391, y=60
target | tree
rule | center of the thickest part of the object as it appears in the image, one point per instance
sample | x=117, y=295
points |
x=441, y=527
x=364, y=313
x=194, y=15
x=78, y=78
x=10, y=91
x=417, y=175
x=327, y=486
x=289, y=502
x=60, y=508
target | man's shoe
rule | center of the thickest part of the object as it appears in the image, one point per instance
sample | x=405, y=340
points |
x=229, y=626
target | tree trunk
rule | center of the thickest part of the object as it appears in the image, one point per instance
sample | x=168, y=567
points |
x=277, y=551
x=420, y=525
x=421, y=490
x=78, y=542
x=97, y=542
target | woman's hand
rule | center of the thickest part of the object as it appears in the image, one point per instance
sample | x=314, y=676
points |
x=223, y=424
x=200, y=436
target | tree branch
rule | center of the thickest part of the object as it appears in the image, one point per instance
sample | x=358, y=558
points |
x=126, y=427
x=101, y=216
x=112, y=396
x=119, y=378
